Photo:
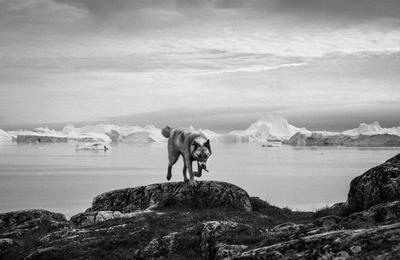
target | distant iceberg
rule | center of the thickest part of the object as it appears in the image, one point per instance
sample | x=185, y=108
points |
x=270, y=127
x=372, y=129
x=46, y=135
x=5, y=137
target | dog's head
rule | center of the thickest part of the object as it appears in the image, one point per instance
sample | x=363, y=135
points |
x=201, y=150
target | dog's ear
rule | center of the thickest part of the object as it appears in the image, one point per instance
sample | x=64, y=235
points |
x=207, y=144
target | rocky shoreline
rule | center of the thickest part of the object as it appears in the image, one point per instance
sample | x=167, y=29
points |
x=215, y=220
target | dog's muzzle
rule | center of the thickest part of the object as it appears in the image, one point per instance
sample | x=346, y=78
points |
x=203, y=164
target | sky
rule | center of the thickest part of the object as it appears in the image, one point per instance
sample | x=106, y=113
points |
x=215, y=64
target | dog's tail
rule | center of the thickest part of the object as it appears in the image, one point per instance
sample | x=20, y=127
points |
x=166, y=131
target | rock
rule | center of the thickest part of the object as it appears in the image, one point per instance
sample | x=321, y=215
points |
x=214, y=220
x=355, y=249
x=20, y=230
x=290, y=231
x=228, y=251
x=377, y=185
x=230, y=233
x=91, y=218
x=6, y=243
x=372, y=243
x=207, y=194
x=385, y=213
x=175, y=245
x=159, y=247
x=28, y=218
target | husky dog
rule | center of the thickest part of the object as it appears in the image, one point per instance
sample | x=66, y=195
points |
x=192, y=145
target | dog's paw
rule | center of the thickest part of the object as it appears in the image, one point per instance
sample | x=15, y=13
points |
x=193, y=183
x=169, y=175
x=197, y=174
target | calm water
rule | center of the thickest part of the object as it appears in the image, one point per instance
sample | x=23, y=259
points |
x=58, y=178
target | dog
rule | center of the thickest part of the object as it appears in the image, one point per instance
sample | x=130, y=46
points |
x=192, y=146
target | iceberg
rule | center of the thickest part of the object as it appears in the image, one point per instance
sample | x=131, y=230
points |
x=5, y=137
x=137, y=134
x=46, y=135
x=270, y=127
x=372, y=129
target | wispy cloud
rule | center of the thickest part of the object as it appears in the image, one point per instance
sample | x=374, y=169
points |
x=79, y=58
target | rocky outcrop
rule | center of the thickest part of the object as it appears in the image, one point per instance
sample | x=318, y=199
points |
x=377, y=185
x=207, y=194
x=90, y=218
x=21, y=230
x=214, y=220
x=376, y=243
x=385, y=213
x=318, y=139
x=27, y=218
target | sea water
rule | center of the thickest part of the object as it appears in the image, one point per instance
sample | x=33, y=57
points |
x=59, y=178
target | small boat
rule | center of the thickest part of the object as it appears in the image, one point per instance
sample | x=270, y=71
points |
x=92, y=147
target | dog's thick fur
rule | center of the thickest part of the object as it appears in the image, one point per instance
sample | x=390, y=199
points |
x=192, y=146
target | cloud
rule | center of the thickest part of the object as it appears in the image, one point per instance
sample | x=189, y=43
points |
x=81, y=57
x=351, y=9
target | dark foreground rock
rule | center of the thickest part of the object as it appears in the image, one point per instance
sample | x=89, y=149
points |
x=377, y=185
x=207, y=194
x=213, y=221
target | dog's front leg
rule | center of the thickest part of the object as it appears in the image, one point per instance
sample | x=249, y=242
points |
x=199, y=170
x=190, y=170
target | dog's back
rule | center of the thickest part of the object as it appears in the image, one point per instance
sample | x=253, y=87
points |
x=180, y=138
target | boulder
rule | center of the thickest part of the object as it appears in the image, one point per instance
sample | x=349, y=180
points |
x=207, y=194
x=377, y=185
x=27, y=218
x=385, y=213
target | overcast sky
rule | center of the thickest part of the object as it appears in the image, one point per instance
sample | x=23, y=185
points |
x=210, y=63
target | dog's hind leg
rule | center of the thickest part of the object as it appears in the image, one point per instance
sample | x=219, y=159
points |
x=173, y=157
x=185, y=178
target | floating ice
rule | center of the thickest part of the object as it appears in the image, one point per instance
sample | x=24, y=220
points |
x=270, y=127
